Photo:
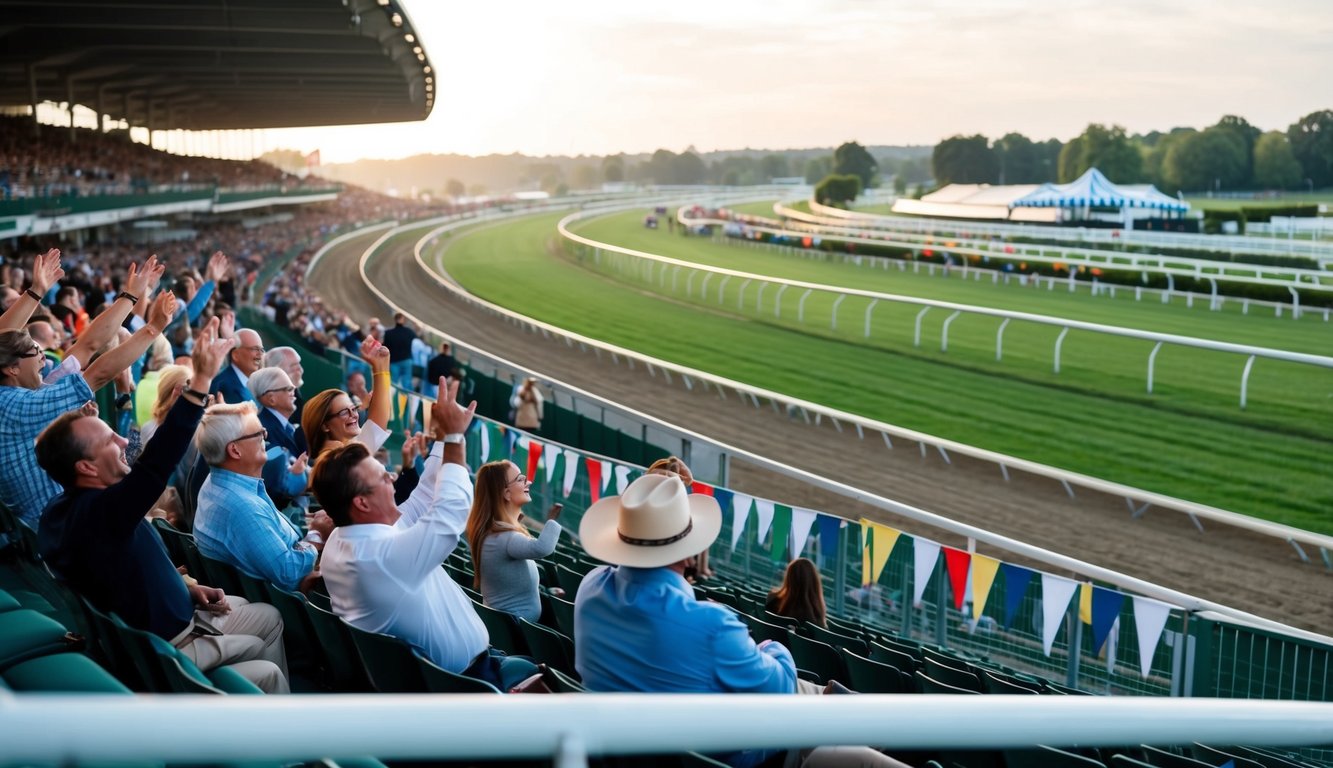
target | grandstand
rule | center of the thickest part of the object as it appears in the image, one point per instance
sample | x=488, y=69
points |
x=305, y=254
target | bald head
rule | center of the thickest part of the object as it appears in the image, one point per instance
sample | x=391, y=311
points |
x=248, y=354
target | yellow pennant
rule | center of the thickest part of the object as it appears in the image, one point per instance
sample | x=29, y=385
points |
x=983, y=576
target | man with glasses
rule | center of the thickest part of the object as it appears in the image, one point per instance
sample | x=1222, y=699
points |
x=382, y=562
x=246, y=358
x=276, y=395
x=95, y=537
x=236, y=521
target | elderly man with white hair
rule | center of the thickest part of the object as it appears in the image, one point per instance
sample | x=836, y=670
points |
x=246, y=358
x=275, y=395
x=235, y=521
x=289, y=360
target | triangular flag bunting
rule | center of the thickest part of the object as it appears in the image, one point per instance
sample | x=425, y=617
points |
x=1149, y=619
x=1016, y=579
x=829, y=526
x=781, y=533
x=1106, y=605
x=956, y=562
x=607, y=472
x=1056, y=591
x=534, y=459
x=763, y=511
x=926, y=553
x=484, y=439
x=571, y=472
x=622, y=478
x=1085, y=603
x=549, y=456
x=740, y=513
x=801, y=522
x=704, y=488
x=501, y=446
x=594, y=479
x=879, y=547
x=723, y=498
x=983, y=576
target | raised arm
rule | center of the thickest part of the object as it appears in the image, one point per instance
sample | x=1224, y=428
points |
x=109, y=365
x=46, y=272
x=141, y=282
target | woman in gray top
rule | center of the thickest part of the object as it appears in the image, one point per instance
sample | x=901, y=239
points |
x=503, y=550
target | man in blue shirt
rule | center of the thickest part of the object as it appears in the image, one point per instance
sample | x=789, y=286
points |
x=236, y=521
x=638, y=627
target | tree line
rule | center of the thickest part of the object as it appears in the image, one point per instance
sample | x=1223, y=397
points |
x=1230, y=155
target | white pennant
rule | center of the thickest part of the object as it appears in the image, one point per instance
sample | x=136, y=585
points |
x=1149, y=619
x=571, y=471
x=411, y=415
x=764, y=511
x=606, y=475
x=549, y=454
x=925, y=552
x=1110, y=647
x=801, y=520
x=622, y=478
x=740, y=513
x=1056, y=592
x=485, y=441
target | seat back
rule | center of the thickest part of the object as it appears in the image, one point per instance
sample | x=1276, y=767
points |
x=761, y=630
x=549, y=647
x=820, y=659
x=994, y=682
x=1042, y=756
x=563, y=611
x=304, y=652
x=1218, y=757
x=869, y=676
x=948, y=673
x=390, y=663
x=440, y=680
x=929, y=684
x=835, y=639
x=894, y=656
x=569, y=578
x=503, y=629
x=1166, y=759
x=335, y=638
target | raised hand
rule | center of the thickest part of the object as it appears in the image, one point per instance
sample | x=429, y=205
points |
x=46, y=271
x=376, y=354
x=143, y=280
x=209, y=353
x=447, y=416
x=227, y=326
x=298, y=466
x=163, y=310
x=217, y=267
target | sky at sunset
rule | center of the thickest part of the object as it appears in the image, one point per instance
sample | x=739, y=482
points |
x=603, y=77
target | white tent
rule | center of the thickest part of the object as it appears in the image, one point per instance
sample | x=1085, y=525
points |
x=1093, y=190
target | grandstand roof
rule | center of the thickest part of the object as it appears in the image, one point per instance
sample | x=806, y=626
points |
x=218, y=64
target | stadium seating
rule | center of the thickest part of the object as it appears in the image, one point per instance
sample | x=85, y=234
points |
x=440, y=680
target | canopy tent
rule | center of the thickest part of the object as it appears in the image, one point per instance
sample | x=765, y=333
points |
x=1093, y=190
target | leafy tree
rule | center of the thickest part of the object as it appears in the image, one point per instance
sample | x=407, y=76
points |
x=1248, y=135
x=1154, y=159
x=613, y=168
x=585, y=176
x=817, y=168
x=774, y=167
x=1275, y=166
x=1048, y=160
x=689, y=168
x=1211, y=159
x=1020, y=160
x=852, y=158
x=899, y=183
x=1311, y=140
x=915, y=171
x=1109, y=150
x=965, y=160
x=454, y=188
x=838, y=189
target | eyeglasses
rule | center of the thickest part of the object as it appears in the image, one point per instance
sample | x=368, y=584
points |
x=256, y=350
x=261, y=433
x=288, y=390
x=34, y=352
x=520, y=479
x=342, y=413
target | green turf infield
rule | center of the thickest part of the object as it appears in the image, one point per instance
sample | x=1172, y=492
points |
x=1187, y=440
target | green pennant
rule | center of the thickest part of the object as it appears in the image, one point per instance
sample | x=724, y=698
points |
x=779, y=537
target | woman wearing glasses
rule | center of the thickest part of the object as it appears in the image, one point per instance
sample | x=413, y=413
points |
x=330, y=419
x=503, y=550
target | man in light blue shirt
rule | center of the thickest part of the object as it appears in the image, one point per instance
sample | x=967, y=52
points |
x=638, y=627
x=235, y=521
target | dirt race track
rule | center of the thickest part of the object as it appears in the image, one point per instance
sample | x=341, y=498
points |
x=1261, y=575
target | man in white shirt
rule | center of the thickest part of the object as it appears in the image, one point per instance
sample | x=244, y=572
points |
x=381, y=563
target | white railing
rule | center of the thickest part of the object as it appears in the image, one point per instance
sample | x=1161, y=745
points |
x=1233, y=244
x=65, y=729
x=1169, y=266
x=1294, y=536
x=1251, y=352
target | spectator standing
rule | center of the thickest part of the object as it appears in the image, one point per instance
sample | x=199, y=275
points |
x=442, y=366
x=398, y=340
x=502, y=549
x=528, y=404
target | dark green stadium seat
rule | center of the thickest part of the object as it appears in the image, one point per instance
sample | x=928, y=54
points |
x=870, y=676
x=26, y=634
x=559, y=682
x=995, y=682
x=948, y=673
x=570, y=579
x=1166, y=759
x=820, y=659
x=761, y=630
x=503, y=628
x=549, y=647
x=389, y=662
x=440, y=680
x=221, y=575
x=335, y=637
x=62, y=672
x=1217, y=757
x=304, y=653
x=563, y=610
x=1042, y=756
x=835, y=639
x=8, y=603
x=929, y=684
x=1267, y=758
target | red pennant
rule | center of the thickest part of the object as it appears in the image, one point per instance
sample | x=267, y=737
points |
x=704, y=488
x=957, y=561
x=594, y=478
x=534, y=456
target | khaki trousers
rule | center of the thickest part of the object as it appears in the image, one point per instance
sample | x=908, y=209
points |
x=250, y=643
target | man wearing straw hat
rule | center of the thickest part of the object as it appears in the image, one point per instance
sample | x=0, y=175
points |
x=638, y=627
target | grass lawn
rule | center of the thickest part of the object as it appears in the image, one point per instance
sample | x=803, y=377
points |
x=1188, y=440
x=1205, y=203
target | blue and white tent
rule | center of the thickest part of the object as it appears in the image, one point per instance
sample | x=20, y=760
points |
x=1093, y=190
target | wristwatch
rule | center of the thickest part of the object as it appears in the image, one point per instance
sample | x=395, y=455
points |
x=455, y=438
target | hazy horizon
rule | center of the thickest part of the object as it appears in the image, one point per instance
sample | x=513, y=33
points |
x=597, y=78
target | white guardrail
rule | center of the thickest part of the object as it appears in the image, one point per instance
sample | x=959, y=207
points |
x=70, y=730
x=1291, y=278
x=927, y=304
x=1232, y=244
x=1294, y=536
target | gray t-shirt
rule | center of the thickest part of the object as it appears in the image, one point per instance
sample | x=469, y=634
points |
x=508, y=573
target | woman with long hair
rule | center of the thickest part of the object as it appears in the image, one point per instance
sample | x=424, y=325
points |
x=503, y=550
x=330, y=419
x=801, y=595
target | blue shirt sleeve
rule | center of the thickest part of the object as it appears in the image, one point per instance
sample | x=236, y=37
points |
x=200, y=300
x=742, y=667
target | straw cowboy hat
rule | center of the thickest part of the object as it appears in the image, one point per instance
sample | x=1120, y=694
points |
x=654, y=523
